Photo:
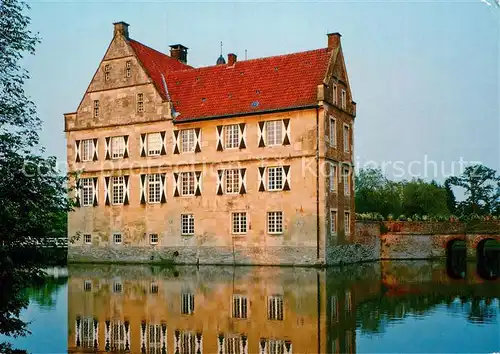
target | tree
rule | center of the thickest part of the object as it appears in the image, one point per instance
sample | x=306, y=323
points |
x=451, y=201
x=481, y=187
x=424, y=198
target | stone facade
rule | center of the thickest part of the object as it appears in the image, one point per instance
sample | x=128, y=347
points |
x=307, y=236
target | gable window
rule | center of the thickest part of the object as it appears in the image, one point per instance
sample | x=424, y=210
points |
x=118, y=189
x=154, y=188
x=240, y=306
x=153, y=239
x=232, y=136
x=347, y=141
x=187, y=303
x=333, y=132
x=154, y=142
x=275, y=222
x=333, y=222
x=239, y=222
x=347, y=181
x=275, y=178
x=107, y=69
x=117, y=147
x=274, y=132
x=187, y=224
x=187, y=183
x=87, y=191
x=232, y=181
x=140, y=103
x=333, y=177
x=87, y=238
x=335, y=93
x=117, y=238
x=275, y=308
x=87, y=149
x=347, y=223
x=344, y=99
x=128, y=68
x=96, y=108
x=188, y=139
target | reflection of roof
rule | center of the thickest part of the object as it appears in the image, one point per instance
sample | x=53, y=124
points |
x=257, y=85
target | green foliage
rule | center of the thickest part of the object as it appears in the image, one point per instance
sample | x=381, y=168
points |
x=422, y=198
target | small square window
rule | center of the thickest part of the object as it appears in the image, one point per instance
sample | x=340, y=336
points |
x=128, y=68
x=117, y=287
x=87, y=285
x=240, y=306
x=96, y=108
x=117, y=238
x=187, y=224
x=87, y=238
x=153, y=239
x=275, y=222
x=239, y=223
x=107, y=69
x=140, y=103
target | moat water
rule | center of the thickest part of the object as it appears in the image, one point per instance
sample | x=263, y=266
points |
x=406, y=306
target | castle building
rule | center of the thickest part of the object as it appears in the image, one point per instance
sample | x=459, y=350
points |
x=243, y=162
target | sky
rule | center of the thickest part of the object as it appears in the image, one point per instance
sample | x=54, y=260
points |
x=425, y=75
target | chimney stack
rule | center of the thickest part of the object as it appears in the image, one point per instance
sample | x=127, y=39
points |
x=121, y=28
x=231, y=59
x=333, y=40
x=179, y=52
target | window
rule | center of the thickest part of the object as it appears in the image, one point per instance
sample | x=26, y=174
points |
x=335, y=310
x=343, y=99
x=187, y=303
x=347, y=223
x=232, y=136
x=187, y=183
x=347, y=180
x=96, y=108
x=232, y=181
x=154, y=288
x=275, y=308
x=107, y=70
x=154, y=142
x=274, y=132
x=117, y=147
x=187, y=224
x=140, y=103
x=239, y=222
x=348, y=301
x=117, y=287
x=276, y=346
x=87, y=149
x=117, y=238
x=153, y=239
x=118, y=189
x=87, y=285
x=87, y=191
x=333, y=177
x=333, y=222
x=346, y=138
x=87, y=238
x=154, y=188
x=335, y=94
x=240, y=306
x=187, y=343
x=275, y=178
x=88, y=334
x=233, y=345
x=187, y=140
x=333, y=132
x=275, y=222
x=128, y=68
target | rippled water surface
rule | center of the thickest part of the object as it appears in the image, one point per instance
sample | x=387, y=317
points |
x=380, y=307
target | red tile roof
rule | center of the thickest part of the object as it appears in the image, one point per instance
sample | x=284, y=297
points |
x=257, y=85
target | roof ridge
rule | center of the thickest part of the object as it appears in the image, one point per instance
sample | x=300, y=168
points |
x=157, y=51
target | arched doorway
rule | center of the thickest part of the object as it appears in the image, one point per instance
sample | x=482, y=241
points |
x=488, y=259
x=456, y=258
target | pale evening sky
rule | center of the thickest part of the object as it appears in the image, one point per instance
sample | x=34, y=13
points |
x=425, y=75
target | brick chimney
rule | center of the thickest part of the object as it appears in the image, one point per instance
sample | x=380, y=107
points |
x=333, y=40
x=179, y=52
x=121, y=29
x=231, y=59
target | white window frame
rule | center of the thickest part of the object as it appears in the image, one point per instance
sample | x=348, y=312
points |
x=275, y=174
x=153, y=289
x=117, y=147
x=154, y=144
x=333, y=222
x=153, y=239
x=332, y=131
x=347, y=225
x=96, y=108
x=346, y=179
x=87, y=239
x=335, y=93
x=275, y=308
x=239, y=222
x=87, y=191
x=140, y=102
x=128, y=68
x=118, y=193
x=239, y=306
x=276, y=219
x=87, y=148
x=343, y=99
x=346, y=137
x=188, y=140
x=154, y=188
x=117, y=287
x=117, y=238
x=276, y=346
x=333, y=177
x=232, y=181
x=274, y=132
x=231, y=136
x=188, y=183
x=187, y=303
x=187, y=224
x=87, y=285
